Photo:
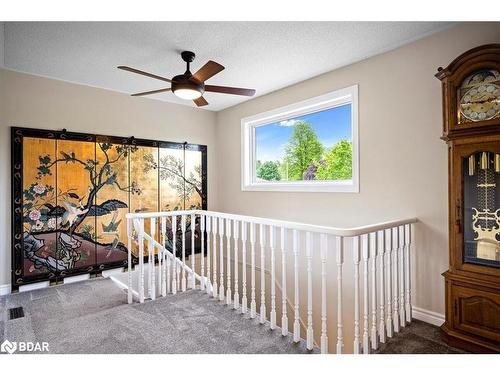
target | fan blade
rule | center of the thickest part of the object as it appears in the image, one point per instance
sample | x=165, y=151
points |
x=200, y=102
x=208, y=70
x=230, y=90
x=137, y=71
x=151, y=92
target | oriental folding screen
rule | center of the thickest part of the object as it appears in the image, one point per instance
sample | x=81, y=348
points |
x=71, y=192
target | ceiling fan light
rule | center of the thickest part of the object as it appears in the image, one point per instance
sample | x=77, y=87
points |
x=187, y=93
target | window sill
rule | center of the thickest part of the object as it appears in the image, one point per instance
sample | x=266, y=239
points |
x=305, y=187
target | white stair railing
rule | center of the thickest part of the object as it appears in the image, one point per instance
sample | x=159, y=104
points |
x=377, y=294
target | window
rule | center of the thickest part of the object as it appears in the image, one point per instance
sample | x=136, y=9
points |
x=307, y=146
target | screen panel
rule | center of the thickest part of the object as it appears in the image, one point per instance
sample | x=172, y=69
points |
x=171, y=176
x=143, y=181
x=77, y=189
x=194, y=195
x=71, y=193
x=112, y=202
x=40, y=219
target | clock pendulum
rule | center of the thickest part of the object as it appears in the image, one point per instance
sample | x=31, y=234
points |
x=485, y=218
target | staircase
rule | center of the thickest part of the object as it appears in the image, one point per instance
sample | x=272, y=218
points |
x=212, y=327
x=249, y=265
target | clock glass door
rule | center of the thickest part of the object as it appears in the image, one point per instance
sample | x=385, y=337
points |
x=481, y=178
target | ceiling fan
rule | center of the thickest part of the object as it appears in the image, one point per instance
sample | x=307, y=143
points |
x=192, y=86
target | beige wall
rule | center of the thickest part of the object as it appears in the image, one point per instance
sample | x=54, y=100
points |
x=37, y=102
x=402, y=160
x=403, y=168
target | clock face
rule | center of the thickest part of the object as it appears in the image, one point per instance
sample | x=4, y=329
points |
x=480, y=96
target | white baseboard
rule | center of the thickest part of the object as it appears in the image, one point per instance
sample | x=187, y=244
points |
x=427, y=316
x=111, y=272
x=28, y=287
x=77, y=278
x=4, y=289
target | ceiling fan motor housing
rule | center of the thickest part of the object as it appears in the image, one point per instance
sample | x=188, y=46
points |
x=184, y=82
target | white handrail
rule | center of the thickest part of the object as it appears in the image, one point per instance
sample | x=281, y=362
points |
x=379, y=257
x=341, y=232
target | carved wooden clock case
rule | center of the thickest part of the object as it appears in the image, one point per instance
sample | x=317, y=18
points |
x=471, y=114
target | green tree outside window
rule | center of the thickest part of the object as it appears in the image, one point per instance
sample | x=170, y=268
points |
x=303, y=149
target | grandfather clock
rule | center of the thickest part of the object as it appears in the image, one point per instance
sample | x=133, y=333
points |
x=471, y=114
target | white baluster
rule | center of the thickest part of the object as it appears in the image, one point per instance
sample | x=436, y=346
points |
x=174, y=252
x=228, y=264
x=395, y=294
x=244, y=301
x=407, y=273
x=373, y=251
x=236, y=302
x=402, y=319
x=365, y=246
x=221, y=259
x=129, y=260
x=324, y=252
x=356, y=256
x=381, y=252
x=388, y=246
x=253, y=306
x=284, y=315
x=202, y=255
x=273, y=276
x=163, y=228
x=209, y=241
x=309, y=331
x=141, y=259
x=214, y=253
x=167, y=262
x=169, y=286
x=339, y=244
x=183, y=229
x=151, y=250
x=178, y=267
x=395, y=300
x=192, y=279
x=160, y=275
x=150, y=270
x=296, y=322
x=262, y=236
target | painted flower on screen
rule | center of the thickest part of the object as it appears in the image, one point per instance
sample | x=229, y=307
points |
x=38, y=225
x=35, y=215
x=52, y=223
x=39, y=189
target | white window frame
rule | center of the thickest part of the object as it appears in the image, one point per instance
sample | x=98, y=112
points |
x=348, y=95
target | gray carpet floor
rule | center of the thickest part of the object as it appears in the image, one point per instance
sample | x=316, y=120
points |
x=93, y=317
x=418, y=338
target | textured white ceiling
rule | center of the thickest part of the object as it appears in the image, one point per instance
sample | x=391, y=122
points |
x=265, y=56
